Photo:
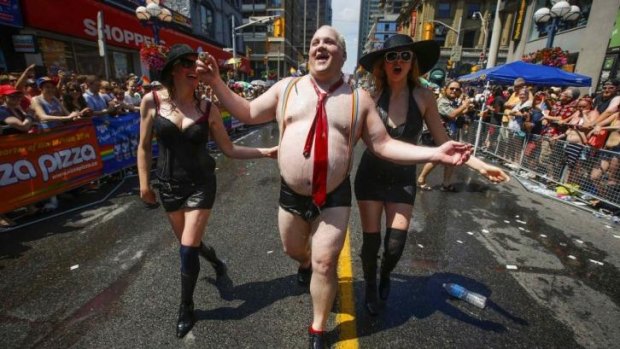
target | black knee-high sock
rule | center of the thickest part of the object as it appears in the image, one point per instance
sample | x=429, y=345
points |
x=370, y=249
x=190, y=267
x=393, y=246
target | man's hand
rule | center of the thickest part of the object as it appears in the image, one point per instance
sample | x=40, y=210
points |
x=270, y=152
x=452, y=153
x=207, y=69
x=494, y=174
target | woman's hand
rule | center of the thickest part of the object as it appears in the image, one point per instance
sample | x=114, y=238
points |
x=494, y=174
x=147, y=195
x=452, y=153
x=270, y=152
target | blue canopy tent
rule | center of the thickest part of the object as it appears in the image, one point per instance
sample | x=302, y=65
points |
x=534, y=74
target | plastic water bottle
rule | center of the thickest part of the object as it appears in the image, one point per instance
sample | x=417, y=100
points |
x=461, y=292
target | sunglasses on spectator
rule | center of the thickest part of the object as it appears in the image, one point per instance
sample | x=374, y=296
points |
x=187, y=63
x=609, y=87
x=454, y=88
x=404, y=56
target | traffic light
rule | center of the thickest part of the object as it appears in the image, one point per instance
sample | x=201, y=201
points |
x=449, y=64
x=278, y=27
x=428, y=31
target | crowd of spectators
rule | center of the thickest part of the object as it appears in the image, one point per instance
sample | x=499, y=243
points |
x=33, y=104
x=528, y=123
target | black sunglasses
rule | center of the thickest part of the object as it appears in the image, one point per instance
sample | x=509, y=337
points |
x=404, y=56
x=186, y=63
x=454, y=88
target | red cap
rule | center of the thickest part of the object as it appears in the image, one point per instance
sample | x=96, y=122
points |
x=6, y=90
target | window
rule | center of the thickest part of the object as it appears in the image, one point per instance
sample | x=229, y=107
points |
x=541, y=32
x=469, y=39
x=206, y=20
x=472, y=8
x=444, y=10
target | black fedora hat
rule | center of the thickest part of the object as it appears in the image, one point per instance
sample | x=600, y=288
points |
x=176, y=51
x=426, y=52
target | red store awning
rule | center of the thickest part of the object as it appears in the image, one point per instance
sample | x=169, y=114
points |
x=79, y=19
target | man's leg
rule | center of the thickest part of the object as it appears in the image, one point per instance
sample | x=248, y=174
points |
x=426, y=170
x=327, y=241
x=295, y=236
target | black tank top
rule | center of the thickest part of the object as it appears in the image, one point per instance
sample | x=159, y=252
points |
x=183, y=154
x=408, y=132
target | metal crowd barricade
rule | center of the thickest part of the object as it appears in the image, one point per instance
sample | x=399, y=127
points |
x=567, y=169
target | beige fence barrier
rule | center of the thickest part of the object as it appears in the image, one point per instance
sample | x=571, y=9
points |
x=568, y=168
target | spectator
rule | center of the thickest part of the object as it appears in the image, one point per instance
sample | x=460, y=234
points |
x=119, y=103
x=74, y=101
x=132, y=97
x=106, y=91
x=565, y=107
x=93, y=98
x=449, y=109
x=48, y=109
x=11, y=114
x=607, y=103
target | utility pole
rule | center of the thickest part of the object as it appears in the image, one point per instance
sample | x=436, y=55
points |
x=497, y=28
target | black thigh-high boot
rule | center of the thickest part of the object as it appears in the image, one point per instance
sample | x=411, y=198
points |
x=190, y=267
x=393, y=246
x=208, y=252
x=370, y=249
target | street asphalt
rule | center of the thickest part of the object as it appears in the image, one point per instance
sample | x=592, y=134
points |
x=107, y=276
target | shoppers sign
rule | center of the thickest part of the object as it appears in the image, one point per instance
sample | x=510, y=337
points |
x=121, y=28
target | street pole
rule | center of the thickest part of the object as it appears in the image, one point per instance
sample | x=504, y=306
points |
x=234, y=46
x=497, y=28
x=553, y=29
x=458, y=31
x=305, y=20
x=102, y=45
x=318, y=7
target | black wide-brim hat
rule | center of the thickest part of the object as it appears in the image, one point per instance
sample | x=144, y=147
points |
x=176, y=51
x=426, y=52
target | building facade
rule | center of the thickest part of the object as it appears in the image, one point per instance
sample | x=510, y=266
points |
x=276, y=52
x=463, y=28
x=377, y=17
x=53, y=38
x=592, y=42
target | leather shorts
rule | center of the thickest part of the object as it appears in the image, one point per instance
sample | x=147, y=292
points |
x=175, y=195
x=303, y=205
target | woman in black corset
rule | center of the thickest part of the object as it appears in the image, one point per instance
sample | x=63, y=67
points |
x=382, y=186
x=182, y=123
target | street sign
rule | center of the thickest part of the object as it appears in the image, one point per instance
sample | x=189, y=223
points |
x=455, y=55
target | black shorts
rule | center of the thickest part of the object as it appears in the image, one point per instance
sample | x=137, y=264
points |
x=178, y=195
x=380, y=180
x=303, y=206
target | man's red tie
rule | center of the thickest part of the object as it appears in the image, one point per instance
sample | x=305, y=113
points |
x=318, y=130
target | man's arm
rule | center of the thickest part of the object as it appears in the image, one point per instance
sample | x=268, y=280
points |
x=259, y=110
x=606, y=117
x=433, y=123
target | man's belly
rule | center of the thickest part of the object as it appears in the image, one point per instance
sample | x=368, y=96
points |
x=297, y=170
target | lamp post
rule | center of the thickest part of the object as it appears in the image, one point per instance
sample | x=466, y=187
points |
x=549, y=19
x=152, y=14
x=484, y=19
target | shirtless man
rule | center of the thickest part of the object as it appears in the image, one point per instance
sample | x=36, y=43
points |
x=307, y=220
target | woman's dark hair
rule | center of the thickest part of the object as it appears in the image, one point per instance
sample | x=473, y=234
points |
x=168, y=82
x=67, y=98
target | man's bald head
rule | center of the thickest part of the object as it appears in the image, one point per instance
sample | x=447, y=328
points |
x=339, y=38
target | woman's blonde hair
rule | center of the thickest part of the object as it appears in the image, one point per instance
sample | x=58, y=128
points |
x=380, y=78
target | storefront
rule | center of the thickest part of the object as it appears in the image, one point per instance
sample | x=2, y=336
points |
x=65, y=35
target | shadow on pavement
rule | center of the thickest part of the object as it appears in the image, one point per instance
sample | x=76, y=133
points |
x=256, y=296
x=422, y=296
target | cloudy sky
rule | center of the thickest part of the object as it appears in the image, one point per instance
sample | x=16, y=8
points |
x=345, y=18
